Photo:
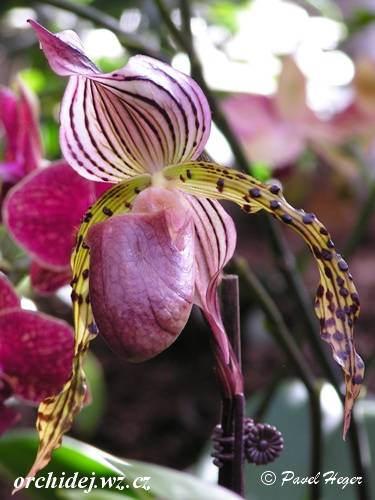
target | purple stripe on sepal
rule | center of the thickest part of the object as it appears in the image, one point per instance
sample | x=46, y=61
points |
x=141, y=118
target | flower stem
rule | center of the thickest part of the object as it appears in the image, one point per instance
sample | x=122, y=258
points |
x=284, y=338
x=231, y=474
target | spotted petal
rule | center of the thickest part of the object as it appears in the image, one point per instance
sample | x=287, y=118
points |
x=36, y=353
x=337, y=303
x=56, y=414
x=44, y=211
x=139, y=118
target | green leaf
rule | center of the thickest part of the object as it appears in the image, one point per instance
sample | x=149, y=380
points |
x=17, y=450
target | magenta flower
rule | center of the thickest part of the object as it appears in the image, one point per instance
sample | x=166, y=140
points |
x=44, y=210
x=19, y=121
x=43, y=213
x=36, y=353
x=157, y=241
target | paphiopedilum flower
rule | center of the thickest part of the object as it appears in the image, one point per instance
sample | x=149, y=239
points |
x=36, y=352
x=46, y=205
x=156, y=242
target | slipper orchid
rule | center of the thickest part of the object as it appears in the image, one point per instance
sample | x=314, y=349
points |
x=36, y=353
x=46, y=204
x=157, y=241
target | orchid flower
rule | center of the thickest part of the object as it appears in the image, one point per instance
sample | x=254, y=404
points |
x=18, y=119
x=42, y=214
x=282, y=126
x=156, y=242
x=44, y=208
x=36, y=353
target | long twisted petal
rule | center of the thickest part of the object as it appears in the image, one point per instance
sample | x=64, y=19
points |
x=56, y=414
x=337, y=302
x=117, y=125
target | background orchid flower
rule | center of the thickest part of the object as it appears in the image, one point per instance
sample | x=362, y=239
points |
x=282, y=125
x=19, y=123
x=43, y=211
x=156, y=242
x=36, y=353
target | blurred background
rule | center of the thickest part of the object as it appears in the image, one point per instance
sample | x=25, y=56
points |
x=293, y=87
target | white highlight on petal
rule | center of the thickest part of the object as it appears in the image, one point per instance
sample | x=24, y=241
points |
x=101, y=43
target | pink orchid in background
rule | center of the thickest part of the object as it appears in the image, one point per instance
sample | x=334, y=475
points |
x=277, y=129
x=19, y=124
x=42, y=214
x=43, y=211
x=36, y=353
x=156, y=242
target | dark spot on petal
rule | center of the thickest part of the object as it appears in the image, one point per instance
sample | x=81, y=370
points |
x=85, y=274
x=287, y=218
x=107, y=211
x=357, y=379
x=93, y=329
x=340, y=281
x=188, y=174
x=326, y=254
x=339, y=336
x=340, y=314
x=220, y=185
x=328, y=272
x=324, y=231
x=344, y=292
x=254, y=192
x=308, y=218
x=274, y=204
x=343, y=265
x=320, y=291
x=275, y=189
x=247, y=208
